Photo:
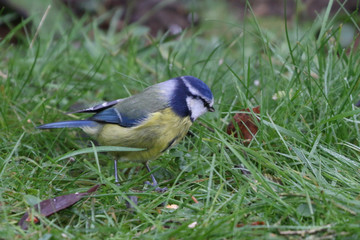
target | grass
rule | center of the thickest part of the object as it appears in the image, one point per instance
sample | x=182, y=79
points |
x=304, y=164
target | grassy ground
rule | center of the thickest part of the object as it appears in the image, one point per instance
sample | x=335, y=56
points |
x=304, y=163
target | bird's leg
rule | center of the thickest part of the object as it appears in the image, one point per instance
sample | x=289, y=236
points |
x=155, y=183
x=134, y=199
x=116, y=172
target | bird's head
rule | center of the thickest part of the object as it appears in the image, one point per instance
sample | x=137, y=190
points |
x=191, y=97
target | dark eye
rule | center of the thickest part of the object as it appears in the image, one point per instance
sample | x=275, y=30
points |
x=206, y=104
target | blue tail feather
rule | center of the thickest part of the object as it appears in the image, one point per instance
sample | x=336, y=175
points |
x=69, y=124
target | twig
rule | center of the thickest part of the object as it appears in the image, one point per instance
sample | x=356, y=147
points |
x=306, y=231
x=206, y=126
x=40, y=25
x=344, y=208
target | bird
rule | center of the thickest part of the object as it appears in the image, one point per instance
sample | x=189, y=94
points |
x=154, y=120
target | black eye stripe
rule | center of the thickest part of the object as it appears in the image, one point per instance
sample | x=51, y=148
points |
x=206, y=104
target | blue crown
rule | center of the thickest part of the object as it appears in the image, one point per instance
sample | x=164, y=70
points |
x=188, y=86
x=199, y=85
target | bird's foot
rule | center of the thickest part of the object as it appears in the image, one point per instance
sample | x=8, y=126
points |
x=133, y=201
x=157, y=189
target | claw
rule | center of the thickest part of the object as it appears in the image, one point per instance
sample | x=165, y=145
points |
x=154, y=184
x=161, y=190
x=157, y=189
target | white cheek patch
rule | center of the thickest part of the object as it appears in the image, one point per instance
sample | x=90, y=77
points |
x=196, y=106
x=194, y=91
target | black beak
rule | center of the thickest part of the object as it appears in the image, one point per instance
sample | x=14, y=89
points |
x=211, y=109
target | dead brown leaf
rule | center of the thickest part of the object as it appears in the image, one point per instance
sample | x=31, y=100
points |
x=257, y=223
x=246, y=126
x=53, y=205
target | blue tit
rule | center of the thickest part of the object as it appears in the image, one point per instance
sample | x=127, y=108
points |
x=155, y=119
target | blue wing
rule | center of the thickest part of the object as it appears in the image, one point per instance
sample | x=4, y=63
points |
x=112, y=115
x=131, y=111
x=98, y=107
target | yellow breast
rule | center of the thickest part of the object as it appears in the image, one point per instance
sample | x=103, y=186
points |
x=156, y=134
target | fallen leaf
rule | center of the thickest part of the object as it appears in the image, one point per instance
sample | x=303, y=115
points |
x=53, y=205
x=257, y=223
x=194, y=199
x=145, y=231
x=245, y=124
x=172, y=206
x=32, y=219
x=192, y=225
